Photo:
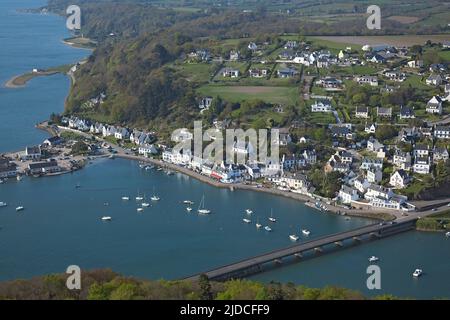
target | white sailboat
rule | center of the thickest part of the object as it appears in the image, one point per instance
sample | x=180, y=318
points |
x=140, y=209
x=188, y=202
x=373, y=259
x=201, y=207
x=258, y=225
x=145, y=204
x=106, y=218
x=248, y=211
x=271, y=218
x=155, y=197
x=139, y=197
x=125, y=198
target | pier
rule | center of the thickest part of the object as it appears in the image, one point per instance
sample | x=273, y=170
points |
x=320, y=246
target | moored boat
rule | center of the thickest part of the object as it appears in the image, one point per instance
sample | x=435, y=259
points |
x=294, y=237
x=20, y=208
x=125, y=198
x=247, y=220
x=188, y=209
x=106, y=218
x=373, y=259
x=201, y=207
x=417, y=273
x=140, y=209
x=248, y=211
x=268, y=229
x=3, y=204
x=306, y=232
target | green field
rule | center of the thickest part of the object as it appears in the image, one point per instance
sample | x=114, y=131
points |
x=279, y=95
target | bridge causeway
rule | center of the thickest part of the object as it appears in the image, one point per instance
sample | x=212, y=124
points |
x=259, y=263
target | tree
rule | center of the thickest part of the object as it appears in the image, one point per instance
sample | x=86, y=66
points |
x=205, y=288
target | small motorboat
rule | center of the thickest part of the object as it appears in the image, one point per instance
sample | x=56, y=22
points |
x=139, y=198
x=188, y=202
x=189, y=209
x=106, y=218
x=20, y=208
x=268, y=229
x=145, y=204
x=140, y=209
x=258, y=225
x=293, y=237
x=248, y=211
x=417, y=273
x=373, y=259
x=447, y=234
x=125, y=198
x=306, y=232
x=155, y=198
x=247, y=220
x=3, y=204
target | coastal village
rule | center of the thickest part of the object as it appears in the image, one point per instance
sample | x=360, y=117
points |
x=375, y=157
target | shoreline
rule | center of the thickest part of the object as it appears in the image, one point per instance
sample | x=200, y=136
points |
x=25, y=78
x=295, y=196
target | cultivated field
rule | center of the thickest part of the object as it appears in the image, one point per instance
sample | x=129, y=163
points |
x=389, y=40
x=281, y=95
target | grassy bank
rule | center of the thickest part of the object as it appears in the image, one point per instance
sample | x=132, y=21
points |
x=438, y=222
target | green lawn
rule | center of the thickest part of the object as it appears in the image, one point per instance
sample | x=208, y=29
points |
x=280, y=95
x=198, y=72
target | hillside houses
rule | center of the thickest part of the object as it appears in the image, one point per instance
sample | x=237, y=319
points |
x=321, y=106
x=367, y=80
x=362, y=112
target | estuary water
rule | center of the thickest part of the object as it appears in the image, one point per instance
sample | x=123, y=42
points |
x=61, y=225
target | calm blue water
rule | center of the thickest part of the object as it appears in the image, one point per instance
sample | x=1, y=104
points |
x=30, y=41
x=61, y=225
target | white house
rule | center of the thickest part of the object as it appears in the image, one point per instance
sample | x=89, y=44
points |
x=372, y=128
x=362, y=112
x=361, y=184
x=374, y=175
x=434, y=105
x=399, y=179
x=373, y=145
x=321, y=106
x=434, y=80
x=402, y=159
x=442, y=132
x=348, y=194
x=368, y=163
x=148, y=150
x=369, y=80
x=422, y=165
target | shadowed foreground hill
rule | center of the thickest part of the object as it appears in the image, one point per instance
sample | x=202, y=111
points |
x=107, y=285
